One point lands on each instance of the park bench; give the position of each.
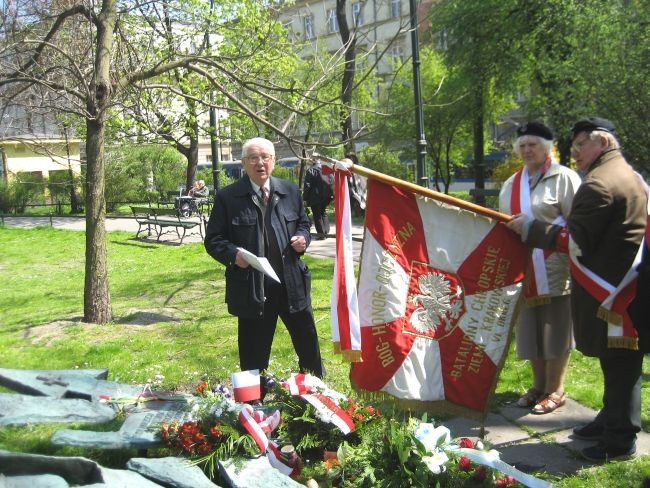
(164, 221)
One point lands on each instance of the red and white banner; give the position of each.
(438, 289)
(346, 334)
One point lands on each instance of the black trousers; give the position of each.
(321, 220)
(621, 412)
(255, 336)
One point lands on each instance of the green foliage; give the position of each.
(142, 173)
(379, 158)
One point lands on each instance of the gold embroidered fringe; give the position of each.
(348, 355)
(446, 409)
(623, 343)
(538, 300)
(609, 316)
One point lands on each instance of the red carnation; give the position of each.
(480, 473)
(467, 443)
(464, 464)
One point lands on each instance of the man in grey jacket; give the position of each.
(265, 216)
(606, 227)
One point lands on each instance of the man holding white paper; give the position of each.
(264, 216)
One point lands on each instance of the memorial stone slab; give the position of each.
(76, 471)
(46, 382)
(139, 430)
(172, 472)
(33, 481)
(115, 478)
(18, 409)
(254, 473)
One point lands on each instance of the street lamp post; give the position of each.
(214, 147)
(420, 168)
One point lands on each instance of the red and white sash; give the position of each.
(536, 291)
(614, 300)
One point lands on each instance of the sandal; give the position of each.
(530, 398)
(550, 403)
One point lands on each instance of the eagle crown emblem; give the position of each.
(437, 303)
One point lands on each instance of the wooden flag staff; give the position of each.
(420, 190)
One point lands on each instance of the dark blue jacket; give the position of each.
(236, 221)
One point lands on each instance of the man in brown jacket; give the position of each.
(606, 227)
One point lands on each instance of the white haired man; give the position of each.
(265, 215)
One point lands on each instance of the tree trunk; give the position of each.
(97, 298)
(479, 144)
(192, 153)
(348, 39)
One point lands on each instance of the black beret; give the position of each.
(591, 124)
(535, 129)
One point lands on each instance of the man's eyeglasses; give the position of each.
(254, 158)
(577, 146)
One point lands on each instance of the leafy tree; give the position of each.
(87, 58)
(380, 158)
(445, 106)
(484, 45)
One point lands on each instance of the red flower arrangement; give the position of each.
(193, 437)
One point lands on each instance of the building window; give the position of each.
(308, 22)
(357, 13)
(396, 8)
(397, 54)
(332, 23)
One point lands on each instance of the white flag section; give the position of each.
(438, 289)
(346, 334)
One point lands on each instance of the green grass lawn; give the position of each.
(172, 328)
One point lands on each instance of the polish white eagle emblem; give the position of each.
(438, 305)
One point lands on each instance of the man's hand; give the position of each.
(299, 243)
(517, 223)
(240, 261)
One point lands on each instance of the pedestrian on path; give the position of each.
(318, 193)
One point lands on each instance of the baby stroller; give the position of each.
(186, 206)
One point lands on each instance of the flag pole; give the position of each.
(420, 190)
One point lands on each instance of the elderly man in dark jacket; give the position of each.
(265, 216)
(606, 227)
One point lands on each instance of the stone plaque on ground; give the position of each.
(33, 481)
(139, 430)
(76, 471)
(45, 382)
(65, 383)
(172, 472)
(254, 473)
(18, 409)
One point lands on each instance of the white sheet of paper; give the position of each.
(260, 264)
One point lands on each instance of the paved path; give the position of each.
(529, 442)
(323, 249)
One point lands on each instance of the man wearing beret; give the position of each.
(606, 226)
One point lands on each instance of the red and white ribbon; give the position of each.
(323, 399)
(344, 316)
(258, 428)
(275, 459)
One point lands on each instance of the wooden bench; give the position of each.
(164, 221)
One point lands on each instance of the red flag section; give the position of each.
(438, 288)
